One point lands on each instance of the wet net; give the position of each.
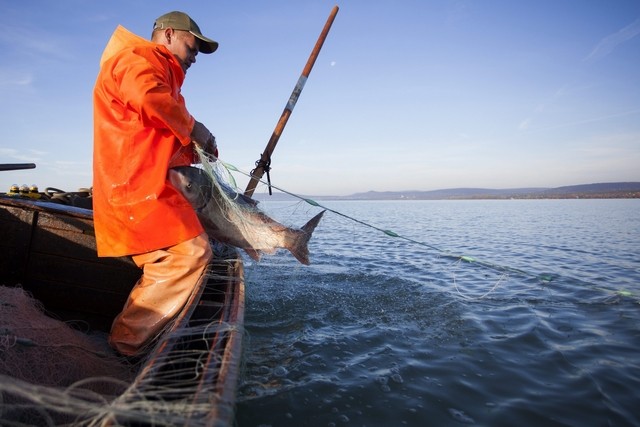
(39, 352)
(54, 375)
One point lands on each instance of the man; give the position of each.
(141, 129)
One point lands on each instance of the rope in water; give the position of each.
(442, 253)
(544, 278)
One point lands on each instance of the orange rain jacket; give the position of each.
(141, 129)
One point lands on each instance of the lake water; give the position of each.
(542, 328)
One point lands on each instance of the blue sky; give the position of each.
(405, 95)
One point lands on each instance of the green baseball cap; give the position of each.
(182, 21)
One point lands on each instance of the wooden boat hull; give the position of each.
(49, 250)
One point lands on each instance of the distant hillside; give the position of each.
(600, 190)
(619, 188)
(612, 190)
(451, 193)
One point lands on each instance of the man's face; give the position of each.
(184, 46)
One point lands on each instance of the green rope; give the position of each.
(542, 278)
(389, 233)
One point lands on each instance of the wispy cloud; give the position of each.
(15, 79)
(610, 42)
(526, 123)
(591, 120)
(35, 42)
(13, 154)
(456, 11)
(38, 153)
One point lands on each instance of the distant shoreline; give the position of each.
(618, 190)
(284, 197)
(635, 195)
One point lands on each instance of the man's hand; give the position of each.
(201, 136)
(211, 147)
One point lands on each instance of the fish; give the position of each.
(235, 219)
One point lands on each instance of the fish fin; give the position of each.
(299, 248)
(254, 254)
(238, 197)
(248, 200)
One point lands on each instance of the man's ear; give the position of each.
(168, 34)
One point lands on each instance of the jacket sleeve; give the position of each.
(146, 89)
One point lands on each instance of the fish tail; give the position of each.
(299, 249)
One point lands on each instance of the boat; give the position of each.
(189, 377)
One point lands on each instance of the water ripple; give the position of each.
(380, 332)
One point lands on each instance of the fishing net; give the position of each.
(229, 197)
(54, 375)
(38, 349)
(190, 376)
(468, 277)
(228, 215)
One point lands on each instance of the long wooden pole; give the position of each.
(263, 164)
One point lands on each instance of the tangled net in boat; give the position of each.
(38, 349)
(187, 378)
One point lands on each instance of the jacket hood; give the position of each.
(122, 39)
